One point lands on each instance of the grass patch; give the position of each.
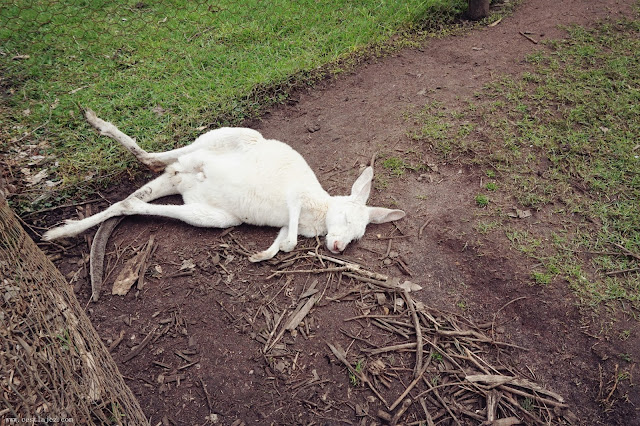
(395, 165)
(562, 139)
(165, 71)
(482, 200)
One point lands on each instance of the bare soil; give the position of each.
(209, 325)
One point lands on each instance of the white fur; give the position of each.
(230, 176)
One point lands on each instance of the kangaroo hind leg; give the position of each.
(159, 187)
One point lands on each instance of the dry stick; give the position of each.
(408, 389)
(294, 320)
(531, 39)
(627, 252)
(297, 318)
(318, 245)
(393, 237)
(434, 389)
(472, 358)
(145, 261)
(235, 240)
(533, 396)
(416, 323)
(308, 271)
(117, 341)
(386, 326)
(135, 351)
(405, 406)
(444, 354)
(493, 399)
(62, 206)
(424, 225)
(379, 283)
(338, 354)
(479, 338)
(206, 394)
(390, 348)
(615, 385)
(622, 271)
(503, 382)
(373, 316)
(423, 404)
(354, 267)
(501, 308)
(268, 345)
(386, 254)
(514, 403)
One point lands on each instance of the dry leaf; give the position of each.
(520, 214)
(409, 286)
(129, 275)
(188, 265)
(35, 179)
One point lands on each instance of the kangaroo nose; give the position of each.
(335, 247)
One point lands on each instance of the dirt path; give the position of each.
(214, 316)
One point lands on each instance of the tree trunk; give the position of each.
(478, 9)
(51, 358)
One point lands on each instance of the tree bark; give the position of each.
(478, 9)
(51, 357)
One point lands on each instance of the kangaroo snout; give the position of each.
(336, 246)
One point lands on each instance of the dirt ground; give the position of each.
(210, 322)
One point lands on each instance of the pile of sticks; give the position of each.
(455, 376)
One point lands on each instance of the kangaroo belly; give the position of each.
(252, 184)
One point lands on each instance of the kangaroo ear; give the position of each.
(382, 215)
(362, 186)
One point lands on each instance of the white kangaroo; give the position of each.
(230, 176)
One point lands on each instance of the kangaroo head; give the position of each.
(348, 216)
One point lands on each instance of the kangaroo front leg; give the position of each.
(294, 205)
(287, 238)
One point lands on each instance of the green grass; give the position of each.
(482, 200)
(561, 139)
(165, 71)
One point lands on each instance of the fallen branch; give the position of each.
(416, 322)
(353, 267)
(498, 380)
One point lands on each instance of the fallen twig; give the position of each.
(117, 341)
(411, 386)
(424, 225)
(627, 252)
(416, 322)
(135, 351)
(207, 396)
(353, 267)
(528, 37)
